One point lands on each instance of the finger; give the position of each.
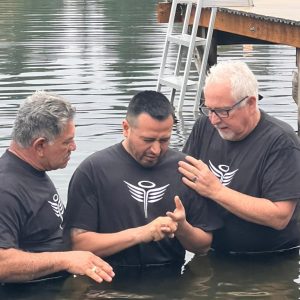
(100, 273)
(158, 236)
(186, 166)
(192, 164)
(171, 215)
(178, 206)
(190, 175)
(178, 203)
(104, 275)
(92, 274)
(107, 270)
(171, 226)
(101, 264)
(189, 183)
(198, 163)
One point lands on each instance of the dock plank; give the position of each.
(267, 21)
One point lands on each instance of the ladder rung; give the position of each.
(175, 82)
(187, 1)
(185, 39)
(226, 3)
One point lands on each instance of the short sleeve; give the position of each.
(10, 221)
(82, 205)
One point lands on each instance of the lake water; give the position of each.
(98, 54)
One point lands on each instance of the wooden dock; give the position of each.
(267, 22)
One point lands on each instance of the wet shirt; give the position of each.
(266, 164)
(111, 192)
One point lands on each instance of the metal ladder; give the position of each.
(182, 82)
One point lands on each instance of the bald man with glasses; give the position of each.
(247, 162)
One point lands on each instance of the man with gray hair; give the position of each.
(249, 164)
(31, 215)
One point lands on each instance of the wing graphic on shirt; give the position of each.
(58, 208)
(222, 172)
(146, 192)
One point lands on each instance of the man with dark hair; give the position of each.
(121, 199)
(31, 215)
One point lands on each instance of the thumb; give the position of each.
(178, 203)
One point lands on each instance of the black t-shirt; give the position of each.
(266, 164)
(110, 192)
(31, 212)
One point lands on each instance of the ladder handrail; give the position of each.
(189, 56)
(190, 41)
(205, 57)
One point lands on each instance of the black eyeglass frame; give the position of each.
(219, 111)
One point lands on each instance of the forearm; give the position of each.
(193, 239)
(17, 265)
(257, 210)
(106, 244)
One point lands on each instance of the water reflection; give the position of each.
(98, 53)
(256, 277)
(205, 277)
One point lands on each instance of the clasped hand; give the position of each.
(161, 227)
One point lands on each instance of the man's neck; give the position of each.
(26, 154)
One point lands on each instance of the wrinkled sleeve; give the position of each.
(193, 141)
(280, 178)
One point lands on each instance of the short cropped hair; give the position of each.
(242, 80)
(152, 103)
(42, 114)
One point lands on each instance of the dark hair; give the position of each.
(152, 103)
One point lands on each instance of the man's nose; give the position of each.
(73, 146)
(214, 118)
(155, 148)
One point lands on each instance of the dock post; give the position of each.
(298, 86)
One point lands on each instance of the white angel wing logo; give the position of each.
(146, 192)
(222, 173)
(58, 208)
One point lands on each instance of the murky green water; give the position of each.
(98, 53)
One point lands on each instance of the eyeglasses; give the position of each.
(220, 112)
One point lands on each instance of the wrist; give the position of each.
(182, 227)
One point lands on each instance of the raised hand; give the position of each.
(178, 215)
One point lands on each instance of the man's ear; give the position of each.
(39, 145)
(252, 101)
(126, 127)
